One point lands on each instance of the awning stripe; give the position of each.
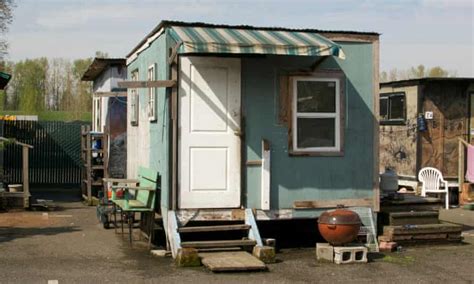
(253, 41)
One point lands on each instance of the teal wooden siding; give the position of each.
(292, 178)
(308, 178)
(158, 153)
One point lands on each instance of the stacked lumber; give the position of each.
(424, 233)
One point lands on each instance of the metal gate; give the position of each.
(55, 158)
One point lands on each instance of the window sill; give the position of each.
(316, 154)
(393, 122)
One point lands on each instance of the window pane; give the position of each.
(396, 107)
(316, 132)
(384, 108)
(314, 96)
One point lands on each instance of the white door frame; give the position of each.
(231, 197)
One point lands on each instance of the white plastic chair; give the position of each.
(431, 179)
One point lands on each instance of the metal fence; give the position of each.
(55, 158)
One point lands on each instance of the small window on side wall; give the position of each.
(134, 102)
(316, 115)
(392, 108)
(151, 95)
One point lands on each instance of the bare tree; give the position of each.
(6, 18)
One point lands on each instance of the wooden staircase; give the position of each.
(236, 235)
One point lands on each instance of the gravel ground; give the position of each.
(70, 246)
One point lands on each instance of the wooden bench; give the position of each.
(138, 196)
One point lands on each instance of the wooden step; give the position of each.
(217, 244)
(220, 228)
(413, 218)
(421, 229)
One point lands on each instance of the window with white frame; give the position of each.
(151, 95)
(316, 114)
(134, 101)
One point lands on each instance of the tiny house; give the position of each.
(279, 121)
(109, 108)
(421, 121)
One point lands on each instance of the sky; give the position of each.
(413, 32)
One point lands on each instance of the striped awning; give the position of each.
(253, 41)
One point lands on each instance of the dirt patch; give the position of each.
(27, 219)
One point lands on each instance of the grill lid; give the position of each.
(339, 217)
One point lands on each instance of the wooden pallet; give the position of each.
(231, 261)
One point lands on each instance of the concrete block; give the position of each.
(187, 257)
(264, 253)
(388, 246)
(324, 252)
(346, 255)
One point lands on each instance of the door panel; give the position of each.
(209, 117)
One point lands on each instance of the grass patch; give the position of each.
(403, 260)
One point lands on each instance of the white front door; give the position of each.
(209, 127)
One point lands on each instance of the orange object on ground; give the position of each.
(339, 226)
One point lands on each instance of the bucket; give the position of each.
(15, 188)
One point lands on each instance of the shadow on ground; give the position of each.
(10, 233)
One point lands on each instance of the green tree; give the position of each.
(83, 89)
(101, 54)
(29, 85)
(419, 71)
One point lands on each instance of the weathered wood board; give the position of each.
(439, 143)
(422, 229)
(413, 218)
(231, 261)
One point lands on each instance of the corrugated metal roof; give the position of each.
(418, 81)
(166, 23)
(253, 41)
(98, 65)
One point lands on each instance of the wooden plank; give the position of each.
(217, 244)
(110, 94)
(265, 176)
(333, 203)
(413, 218)
(421, 229)
(231, 261)
(196, 229)
(147, 84)
(120, 180)
(253, 233)
(254, 163)
(376, 123)
(174, 138)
